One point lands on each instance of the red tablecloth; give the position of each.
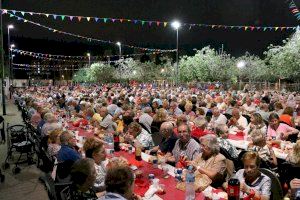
(236, 137)
(82, 132)
(142, 184)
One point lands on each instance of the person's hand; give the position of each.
(244, 188)
(295, 183)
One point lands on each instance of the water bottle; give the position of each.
(233, 189)
(190, 182)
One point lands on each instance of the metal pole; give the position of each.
(9, 51)
(2, 62)
(89, 61)
(177, 67)
(120, 51)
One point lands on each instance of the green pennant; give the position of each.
(105, 20)
(11, 15)
(23, 13)
(143, 22)
(62, 17)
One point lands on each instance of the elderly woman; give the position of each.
(259, 144)
(210, 161)
(251, 179)
(95, 150)
(160, 117)
(287, 116)
(277, 130)
(256, 122)
(294, 156)
(50, 124)
(189, 112)
(139, 136)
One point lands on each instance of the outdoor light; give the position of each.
(10, 26)
(162, 70)
(12, 46)
(118, 43)
(241, 64)
(134, 72)
(88, 54)
(176, 25)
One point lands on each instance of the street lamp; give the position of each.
(89, 56)
(241, 64)
(120, 49)
(176, 25)
(10, 26)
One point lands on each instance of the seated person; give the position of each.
(53, 142)
(265, 151)
(83, 176)
(186, 148)
(136, 135)
(94, 149)
(168, 141)
(222, 133)
(67, 151)
(277, 130)
(210, 161)
(256, 122)
(119, 183)
(237, 121)
(294, 156)
(251, 179)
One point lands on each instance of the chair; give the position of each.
(157, 138)
(276, 190)
(228, 116)
(49, 186)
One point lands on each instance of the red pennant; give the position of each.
(121, 20)
(252, 28)
(79, 18)
(157, 23)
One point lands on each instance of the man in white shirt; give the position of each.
(237, 122)
(217, 117)
(249, 107)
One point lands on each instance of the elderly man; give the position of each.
(186, 148)
(50, 124)
(237, 122)
(174, 109)
(168, 141)
(217, 117)
(67, 151)
(210, 161)
(139, 136)
(107, 121)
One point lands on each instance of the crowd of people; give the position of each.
(186, 126)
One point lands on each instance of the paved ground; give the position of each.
(24, 185)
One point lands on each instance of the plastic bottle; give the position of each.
(190, 182)
(233, 189)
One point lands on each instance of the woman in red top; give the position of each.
(287, 116)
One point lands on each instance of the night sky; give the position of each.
(227, 12)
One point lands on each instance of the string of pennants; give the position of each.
(294, 9)
(67, 58)
(90, 39)
(44, 66)
(152, 23)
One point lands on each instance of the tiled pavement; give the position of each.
(24, 185)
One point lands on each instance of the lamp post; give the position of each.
(176, 25)
(11, 72)
(2, 63)
(241, 64)
(120, 49)
(10, 26)
(89, 57)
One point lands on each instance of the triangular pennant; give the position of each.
(96, 19)
(105, 20)
(47, 15)
(276, 28)
(62, 17)
(88, 19)
(11, 15)
(150, 23)
(213, 26)
(258, 27)
(246, 27)
(252, 28)
(79, 18)
(143, 22)
(19, 18)
(71, 18)
(113, 20)
(13, 11)
(30, 13)
(282, 28)
(54, 16)
(135, 21)
(22, 13)
(128, 20)
(157, 23)
(231, 27)
(165, 24)
(121, 20)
